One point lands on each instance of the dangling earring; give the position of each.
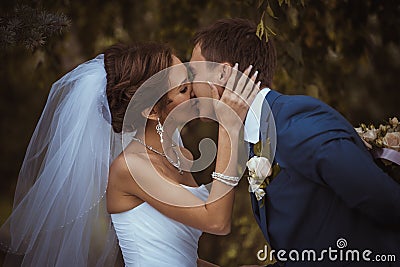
(160, 130)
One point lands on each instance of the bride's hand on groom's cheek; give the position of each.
(236, 98)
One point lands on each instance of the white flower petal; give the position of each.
(259, 194)
(252, 164)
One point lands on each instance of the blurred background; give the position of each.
(346, 53)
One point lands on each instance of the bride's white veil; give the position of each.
(59, 215)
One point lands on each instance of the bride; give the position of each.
(61, 215)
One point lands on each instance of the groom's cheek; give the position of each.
(201, 89)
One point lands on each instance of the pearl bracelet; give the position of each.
(228, 180)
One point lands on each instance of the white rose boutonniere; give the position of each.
(259, 169)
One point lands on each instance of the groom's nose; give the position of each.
(192, 95)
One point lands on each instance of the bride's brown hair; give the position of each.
(127, 68)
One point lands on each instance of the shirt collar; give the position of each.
(252, 122)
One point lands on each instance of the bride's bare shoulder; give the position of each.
(123, 162)
(121, 174)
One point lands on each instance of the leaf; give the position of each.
(266, 149)
(257, 149)
(275, 171)
(263, 149)
(270, 30)
(262, 202)
(271, 12)
(280, 2)
(260, 29)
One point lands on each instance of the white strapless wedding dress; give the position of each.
(148, 238)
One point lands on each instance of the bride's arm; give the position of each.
(212, 216)
(136, 176)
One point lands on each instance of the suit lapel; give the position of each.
(267, 125)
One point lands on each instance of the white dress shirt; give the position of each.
(252, 122)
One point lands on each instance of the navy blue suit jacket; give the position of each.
(328, 188)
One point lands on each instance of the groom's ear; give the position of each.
(224, 72)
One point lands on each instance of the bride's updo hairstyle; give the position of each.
(127, 68)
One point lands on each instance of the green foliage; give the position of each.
(263, 30)
(30, 27)
(262, 27)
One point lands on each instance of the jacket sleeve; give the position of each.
(358, 181)
(322, 146)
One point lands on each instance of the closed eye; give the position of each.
(183, 90)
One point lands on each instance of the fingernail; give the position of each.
(250, 67)
(236, 65)
(258, 84)
(255, 73)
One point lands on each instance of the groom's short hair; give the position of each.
(235, 40)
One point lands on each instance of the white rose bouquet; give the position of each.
(384, 144)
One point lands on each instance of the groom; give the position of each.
(328, 188)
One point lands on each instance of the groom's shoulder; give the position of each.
(309, 114)
(301, 100)
(298, 104)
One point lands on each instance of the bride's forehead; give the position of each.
(178, 74)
